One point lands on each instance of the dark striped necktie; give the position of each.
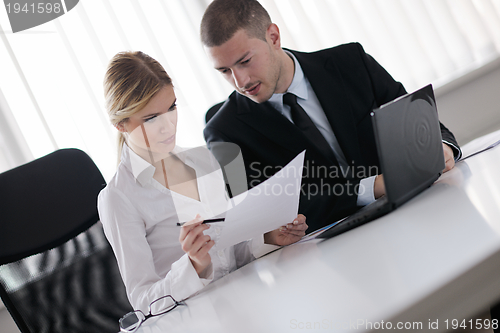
(306, 125)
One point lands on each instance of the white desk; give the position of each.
(436, 257)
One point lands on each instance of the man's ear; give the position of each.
(273, 33)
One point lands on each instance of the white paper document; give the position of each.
(265, 207)
(481, 144)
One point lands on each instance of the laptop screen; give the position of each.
(409, 144)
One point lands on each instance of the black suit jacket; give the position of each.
(349, 84)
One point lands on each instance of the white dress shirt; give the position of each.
(139, 216)
(306, 98)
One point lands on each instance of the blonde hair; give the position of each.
(131, 81)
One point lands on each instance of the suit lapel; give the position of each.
(328, 85)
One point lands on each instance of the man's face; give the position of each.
(252, 66)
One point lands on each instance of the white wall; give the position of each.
(14, 150)
(7, 324)
(470, 105)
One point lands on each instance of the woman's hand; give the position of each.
(196, 244)
(288, 234)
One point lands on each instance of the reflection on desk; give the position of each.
(436, 258)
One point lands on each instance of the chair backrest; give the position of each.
(58, 272)
(212, 111)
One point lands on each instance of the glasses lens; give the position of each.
(131, 321)
(162, 305)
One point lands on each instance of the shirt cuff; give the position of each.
(185, 281)
(457, 152)
(259, 248)
(366, 193)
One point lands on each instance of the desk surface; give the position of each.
(435, 258)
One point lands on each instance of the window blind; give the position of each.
(51, 75)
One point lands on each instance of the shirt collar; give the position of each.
(142, 170)
(298, 87)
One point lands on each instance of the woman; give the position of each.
(158, 184)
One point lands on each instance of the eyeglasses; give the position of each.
(133, 320)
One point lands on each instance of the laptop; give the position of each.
(410, 151)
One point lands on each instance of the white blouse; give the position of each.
(139, 216)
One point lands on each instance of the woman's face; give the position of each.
(151, 131)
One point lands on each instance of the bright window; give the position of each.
(51, 75)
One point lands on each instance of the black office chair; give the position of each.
(495, 315)
(212, 111)
(57, 270)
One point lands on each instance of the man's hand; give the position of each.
(379, 186)
(449, 159)
(288, 234)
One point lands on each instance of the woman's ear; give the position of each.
(120, 127)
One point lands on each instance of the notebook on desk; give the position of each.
(410, 151)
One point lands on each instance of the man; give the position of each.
(337, 88)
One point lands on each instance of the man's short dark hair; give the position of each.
(223, 18)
